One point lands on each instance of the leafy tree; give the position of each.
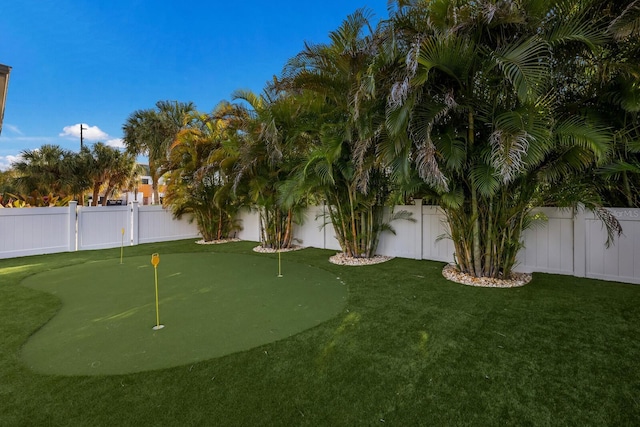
(612, 90)
(102, 162)
(267, 155)
(342, 166)
(119, 167)
(49, 169)
(475, 106)
(200, 162)
(7, 179)
(151, 132)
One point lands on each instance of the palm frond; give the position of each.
(574, 23)
(628, 23)
(485, 179)
(575, 131)
(525, 65)
(451, 55)
(508, 150)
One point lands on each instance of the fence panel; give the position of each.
(311, 233)
(100, 227)
(34, 231)
(407, 240)
(435, 245)
(621, 261)
(548, 244)
(314, 232)
(156, 224)
(250, 222)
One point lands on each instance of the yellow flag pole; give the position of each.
(279, 261)
(155, 260)
(122, 246)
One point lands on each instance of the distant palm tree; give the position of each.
(151, 132)
(123, 167)
(45, 170)
(102, 164)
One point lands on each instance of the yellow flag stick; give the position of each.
(122, 246)
(155, 260)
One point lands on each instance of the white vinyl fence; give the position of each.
(33, 231)
(562, 242)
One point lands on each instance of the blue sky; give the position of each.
(95, 62)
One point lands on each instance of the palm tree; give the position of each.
(200, 162)
(267, 155)
(151, 132)
(475, 107)
(613, 90)
(123, 169)
(102, 163)
(46, 170)
(7, 181)
(342, 165)
(76, 171)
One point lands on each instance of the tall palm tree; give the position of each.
(201, 161)
(475, 106)
(342, 166)
(613, 90)
(268, 152)
(151, 132)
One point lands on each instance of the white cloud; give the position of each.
(115, 142)
(6, 161)
(13, 129)
(90, 133)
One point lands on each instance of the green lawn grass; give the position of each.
(409, 348)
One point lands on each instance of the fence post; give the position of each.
(579, 242)
(417, 211)
(134, 211)
(73, 228)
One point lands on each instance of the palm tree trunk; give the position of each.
(489, 240)
(286, 241)
(477, 257)
(354, 241)
(96, 192)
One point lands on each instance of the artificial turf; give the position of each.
(212, 304)
(408, 348)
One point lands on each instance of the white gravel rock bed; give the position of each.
(450, 272)
(216, 242)
(262, 250)
(341, 259)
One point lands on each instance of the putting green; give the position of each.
(211, 304)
